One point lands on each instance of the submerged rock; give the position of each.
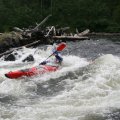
(10, 57)
(28, 58)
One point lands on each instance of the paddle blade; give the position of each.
(61, 46)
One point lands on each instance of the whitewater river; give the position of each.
(87, 87)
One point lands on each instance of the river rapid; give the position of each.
(87, 87)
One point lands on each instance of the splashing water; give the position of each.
(80, 90)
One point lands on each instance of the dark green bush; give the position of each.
(97, 15)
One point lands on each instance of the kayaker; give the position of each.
(58, 58)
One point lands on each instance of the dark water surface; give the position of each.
(95, 47)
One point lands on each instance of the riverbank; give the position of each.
(16, 40)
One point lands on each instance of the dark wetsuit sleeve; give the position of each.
(59, 58)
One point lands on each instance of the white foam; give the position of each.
(96, 90)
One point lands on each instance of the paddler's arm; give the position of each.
(58, 57)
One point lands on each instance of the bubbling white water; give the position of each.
(94, 91)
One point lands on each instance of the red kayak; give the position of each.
(31, 71)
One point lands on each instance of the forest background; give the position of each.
(96, 15)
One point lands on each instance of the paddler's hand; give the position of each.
(43, 63)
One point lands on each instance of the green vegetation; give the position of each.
(97, 15)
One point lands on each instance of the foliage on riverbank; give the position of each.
(97, 15)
